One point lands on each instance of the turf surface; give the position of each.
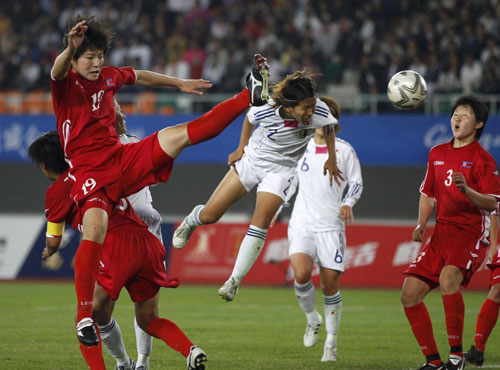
(261, 329)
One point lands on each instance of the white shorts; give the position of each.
(326, 248)
(270, 177)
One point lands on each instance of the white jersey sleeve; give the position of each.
(317, 203)
(142, 201)
(280, 140)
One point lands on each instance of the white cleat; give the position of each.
(196, 359)
(329, 354)
(182, 235)
(228, 290)
(129, 366)
(311, 334)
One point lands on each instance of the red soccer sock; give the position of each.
(86, 269)
(93, 355)
(454, 310)
(216, 120)
(486, 321)
(421, 325)
(171, 334)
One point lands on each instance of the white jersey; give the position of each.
(142, 200)
(280, 140)
(317, 204)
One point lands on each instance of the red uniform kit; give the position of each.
(131, 256)
(86, 124)
(462, 229)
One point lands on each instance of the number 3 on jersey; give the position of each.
(449, 179)
(96, 100)
(88, 185)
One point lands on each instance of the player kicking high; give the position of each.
(317, 232)
(131, 256)
(266, 158)
(462, 180)
(488, 314)
(102, 170)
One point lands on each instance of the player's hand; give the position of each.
(48, 251)
(492, 253)
(194, 86)
(459, 180)
(235, 157)
(419, 233)
(76, 34)
(346, 214)
(333, 171)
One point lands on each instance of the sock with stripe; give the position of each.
(421, 325)
(486, 321)
(193, 218)
(216, 120)
(171, 334)
(86, 266)
(144, 345)
(93, 355)
(306, 296)
(454, 311)
(111, 336)
(333, 310)
(250, 248)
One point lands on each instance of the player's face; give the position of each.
(463, 123)
(89, 64)
(304, 111)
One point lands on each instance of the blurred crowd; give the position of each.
(454, 44)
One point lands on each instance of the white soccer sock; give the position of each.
(306, 295)
(333, 310)
(111, 336)
(193, 219)
(144, 345)
(250, 248)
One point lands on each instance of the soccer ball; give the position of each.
(407, 89)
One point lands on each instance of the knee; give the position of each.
(330, 288)
(302, 277)
(494, 293)
(408, 299)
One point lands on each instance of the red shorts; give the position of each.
(121, 170)
(495, 271)
(449, 245)
(133, 258)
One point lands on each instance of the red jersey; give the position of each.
(481, 174)
(60, 208)
(85, 114)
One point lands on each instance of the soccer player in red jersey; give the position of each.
(462, 180)
(132, 257)
(102, 170)
(488, 314)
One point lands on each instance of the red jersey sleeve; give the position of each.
(489, 182)
(122, 76)
(58, 205)
(427, 186)
(59, 91)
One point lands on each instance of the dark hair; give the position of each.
(294, 88)
(47, 150)
(478, 107)
(97, 37)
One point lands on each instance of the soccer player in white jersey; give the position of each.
(267, 158)
(317, 232)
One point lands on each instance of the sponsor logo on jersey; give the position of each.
(438, 163)
(109, 82)
(466, 164)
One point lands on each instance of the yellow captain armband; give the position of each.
(54, 230)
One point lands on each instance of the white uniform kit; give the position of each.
(315, 227)
(275, 147)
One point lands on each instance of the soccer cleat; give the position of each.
(182, 235)
(311, 334)
(474, 356)
(228, 290)
(258, 81)
(130, 366)
(86, 333)
(196, 359)
(455, 363)
(428, 366)
(329, 354)
(142, 367)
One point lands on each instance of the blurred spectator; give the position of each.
(449, 78)
(471, 74)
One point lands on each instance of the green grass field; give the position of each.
(261, 329)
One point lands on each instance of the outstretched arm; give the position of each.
(63, 60)
(246, 132)
(149, 78)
